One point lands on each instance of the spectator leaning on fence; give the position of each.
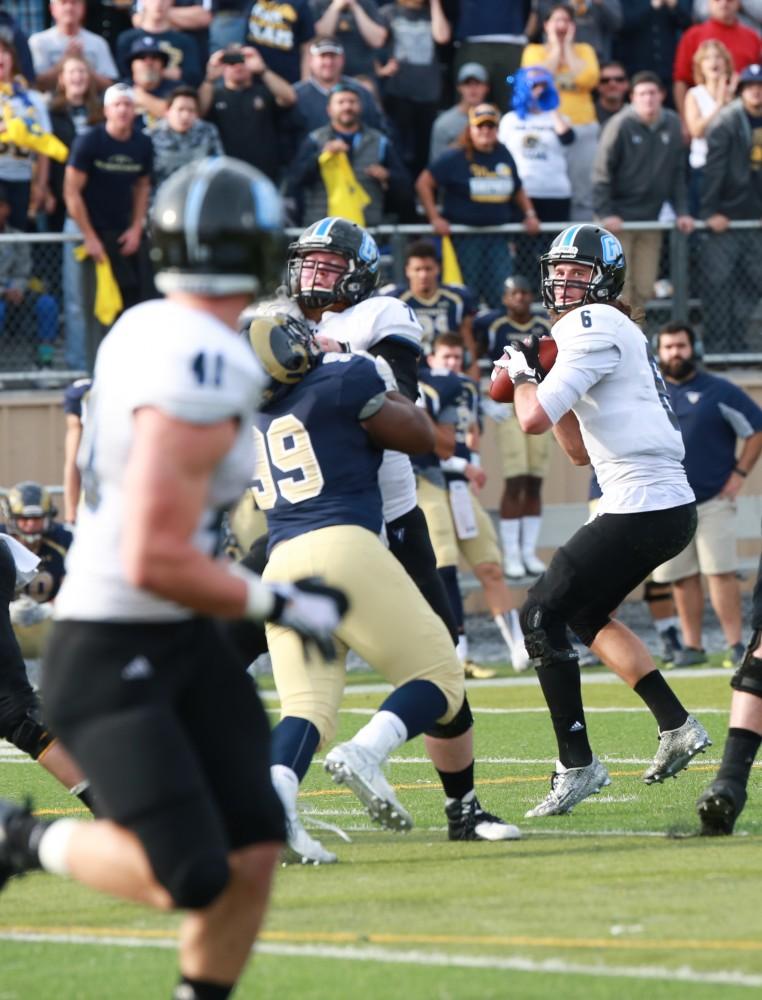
(478, 185)
(180, 137)
(732, 189)
(65, 38)
(320, 171)
(574, 66)
(723, 24)
(713, 415)
(640, 167)
(241, 96)
(107, 186)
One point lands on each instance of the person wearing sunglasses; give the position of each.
(613, 91)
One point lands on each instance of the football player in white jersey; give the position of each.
(139, 683)
(607, 405)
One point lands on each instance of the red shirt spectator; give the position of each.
(723, 24)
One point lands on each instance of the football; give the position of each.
(501, 389)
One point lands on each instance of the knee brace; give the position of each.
(28, 733)
(458, 725)
(748, 677)
(545, 635)
(653, 592)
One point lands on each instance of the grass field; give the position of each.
(616, 900)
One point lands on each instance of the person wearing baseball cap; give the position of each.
(732, 189)
(326, 69)
(473, 88)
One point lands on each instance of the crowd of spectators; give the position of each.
(381, 98)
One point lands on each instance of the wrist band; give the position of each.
(741, 472)
(260, 599)
(523, 377)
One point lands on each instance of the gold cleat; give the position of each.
(476, 673)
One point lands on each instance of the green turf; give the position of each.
(621, 885)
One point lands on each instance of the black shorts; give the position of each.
(168, 728)
(17, 696)
(591, 574)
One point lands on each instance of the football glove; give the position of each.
(312, 609)
(26, 611)
(521, 359)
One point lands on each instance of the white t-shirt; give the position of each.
(48, 48)
(699, 146)
(607, 375)
(361, 327)
(538, 153)
(188, 365)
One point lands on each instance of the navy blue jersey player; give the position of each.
(320, 443)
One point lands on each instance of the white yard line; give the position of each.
(548, 966)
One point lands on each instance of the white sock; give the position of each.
(286, 784)
(510, 533)
(53, 848)
(462, 648)
(530, 532)
(662, 624)
(505, 632)
(384, 733)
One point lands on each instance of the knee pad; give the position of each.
(545, 635)
(748, 677)
(195, 882)
(28, 733)
(459, 724)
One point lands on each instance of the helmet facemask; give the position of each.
(316, 293)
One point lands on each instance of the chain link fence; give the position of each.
(712, 280)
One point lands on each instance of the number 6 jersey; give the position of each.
(606, 374)
(192, 367)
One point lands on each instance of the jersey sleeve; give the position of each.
(586, 352)
(72, 401)
(391, 319)
(200, 384)
(360, 383)
(741, 412)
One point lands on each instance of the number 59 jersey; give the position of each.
(192, 367)
(606, 374)
(316, 465)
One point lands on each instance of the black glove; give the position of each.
(312, 609)
(529, 346)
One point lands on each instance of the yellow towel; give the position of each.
(451, 274)
(108, 297)
(27, 134)
(346, 196)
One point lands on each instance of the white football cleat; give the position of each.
(301, 849)
(352, 765)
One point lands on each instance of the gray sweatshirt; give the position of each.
(638, 167)
(730, 186)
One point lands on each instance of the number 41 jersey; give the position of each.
(192, 367)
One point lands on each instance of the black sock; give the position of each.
(456, 784)
(662, 701)
(740, 750)
(24, 832)
(201, 989)
(86, 797)
(562, 689)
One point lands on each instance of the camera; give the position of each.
(232, 58)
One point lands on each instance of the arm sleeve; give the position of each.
(403, 361)
(574, 372)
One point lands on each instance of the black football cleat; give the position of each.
(719, 807)
(14, 855)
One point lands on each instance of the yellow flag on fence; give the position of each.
(346, 196)
(108, 297)
(451, 274)
(26, 133)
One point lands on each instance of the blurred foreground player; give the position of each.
(607, 405)
(139, 682)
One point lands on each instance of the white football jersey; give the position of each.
(606, 374)
(362, 327)
(194, 368)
